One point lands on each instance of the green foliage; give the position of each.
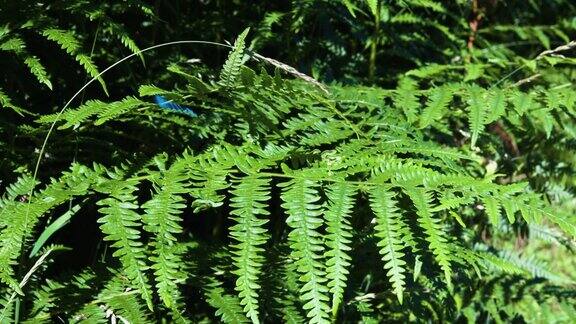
(231, 69)
(120, 225)
(250, 194)
(389, 230)
(441, 192)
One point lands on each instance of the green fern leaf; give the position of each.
(115, 109)
(75, 117)
(250, 195)
(19, 218)
(68, 42)
(120, 33)
(38, 70)
(492, 208)
(14, 44)
(373, 5)
(389, 231)
(438, 243)
(208, 180)
(231, 69)
(340, 204)
(300, 199)
(118, 306)
(477, 112)
(22, 186)
(438, 101)
(161, 220)
(227, 306)
(6, 102)
(406, 98)
(65, 39)
(287, 300)
(151, 90)
(120, 225)
(496, 105)
(91, 68)
(103, 111)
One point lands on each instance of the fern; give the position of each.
(68, 42)
(231, 69)
(250, 195)
(389, 230)
(103, 112)
(477, 117)
(38, 70)
(496, 105)
(492, 207)
(439, 244)
(20, 218)
(120, 224)
(228, 307)
(192, 208)
(300, 201)
(338, 239)
(438, 100)
(406, 99)
(6, 102)
(161, 220)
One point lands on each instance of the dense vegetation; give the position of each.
(292, 161)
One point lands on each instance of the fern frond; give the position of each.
(227, 306)
(288, 302)
(116, 30)
(389, 231)
(65, 39)
(406, 98)
(91, 69)
(477, 112)
(365, 308)
(531, 265)
(438, 100)
(19, 219)
(494, 262)
(435, 6)
(300, 200)
(115, 109)
(549, 234)
(22, 186)
(45, 298)
(68, 42)
(492, 209)
(13, 44)
(250, 195)
(74, 117)
(6, 102)
(496, 103)
(119, 304)
(161, 220)
(120, 225)
(236, 58)
(208, 179)
(340, 204)
(102, 111)
(38, 70)
(438, 243)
